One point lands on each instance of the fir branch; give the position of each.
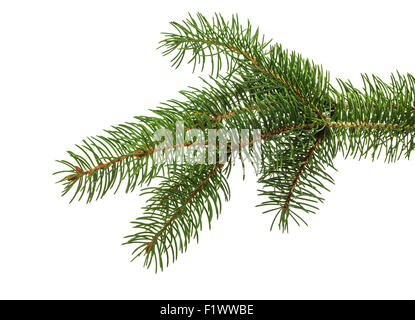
(169, 223)
(292, 180)
(305, 122)
(151, 244)
(229, 40)
(297, 176)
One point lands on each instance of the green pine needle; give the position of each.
(255, 84)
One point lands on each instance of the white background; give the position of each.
(69, 69)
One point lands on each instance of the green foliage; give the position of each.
(253, 84)
(293, 181)
(174, 213)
